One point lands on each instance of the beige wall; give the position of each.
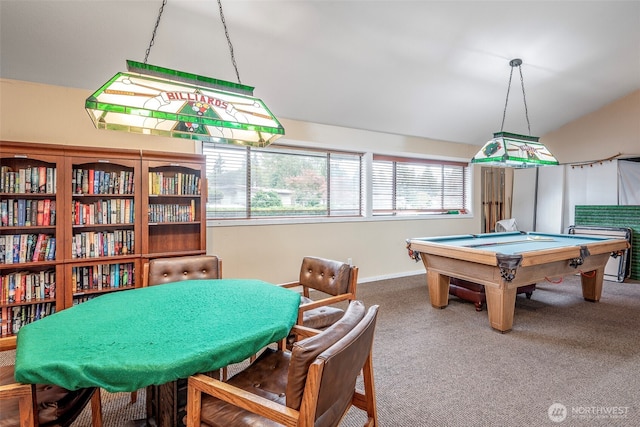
(49, 114)
(613, 129)
(378, 248)
(34, 112)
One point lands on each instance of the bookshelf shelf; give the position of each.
(97, 195)
(46, 228)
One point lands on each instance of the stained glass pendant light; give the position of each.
(513, 150)
(160, 101)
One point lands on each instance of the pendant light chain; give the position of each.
(516, 63)
(153, 36)
(524, 98)
(226, 33)
(506, 101)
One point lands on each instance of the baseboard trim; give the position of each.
(391, 276)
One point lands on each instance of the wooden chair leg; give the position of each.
(96, 409)
(367, 400)
(194, 406)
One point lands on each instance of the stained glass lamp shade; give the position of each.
(516, 151)
(159, 101)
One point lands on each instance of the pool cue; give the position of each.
(510, 242)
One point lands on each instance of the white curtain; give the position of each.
(629, 182)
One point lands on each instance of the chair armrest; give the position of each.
(13, 390)
(8, 343)
(325, 301)
(304, 331)
(253, 403)
(289, 285)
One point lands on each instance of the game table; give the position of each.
(124, 341)
(502, 262)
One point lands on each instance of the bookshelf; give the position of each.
(103, 192)
(90, 222)
(175, 196)
(31, 268)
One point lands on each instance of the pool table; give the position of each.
(502, 262)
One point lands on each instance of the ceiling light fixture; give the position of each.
(512, 150)
(160, 101)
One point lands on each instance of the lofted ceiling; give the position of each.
(433, 69)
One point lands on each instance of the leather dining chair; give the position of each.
(335, 281)
(314, 384)
(166, 270)
(28, 405)
(159, 271)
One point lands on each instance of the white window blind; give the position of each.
(413, 186)
(245, 182)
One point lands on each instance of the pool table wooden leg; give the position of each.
(592, 284)
(501, 304)
(438, 285)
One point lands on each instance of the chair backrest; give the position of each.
(333, 359)
(338, 368)
(305, 352)
(506, 225)
(167, 270)
(328, 276)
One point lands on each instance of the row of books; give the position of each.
(110, 211)
(13, 318)
(27, 213)
(177, 183)
(91, 244)
(21, 248)
(84, 298)
(172, 213)
(102, 276)
(92, 181)
(32, 179)
(25, 286)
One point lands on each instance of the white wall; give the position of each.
(591, 185)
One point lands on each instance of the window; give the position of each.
(281, 181)
(411, 186)
(245, 182)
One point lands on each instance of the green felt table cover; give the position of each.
(127, 340)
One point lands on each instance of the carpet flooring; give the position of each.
(567, 362)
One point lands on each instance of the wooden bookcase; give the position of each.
(102, 216)
(102, 243)
(174, 205)
(31, 266)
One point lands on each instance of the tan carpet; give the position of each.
(449, 368)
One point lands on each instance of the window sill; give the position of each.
(324, 220)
